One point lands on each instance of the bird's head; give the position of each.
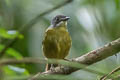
(59, 20)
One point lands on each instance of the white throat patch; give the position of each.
(61, 23)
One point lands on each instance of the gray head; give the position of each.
(59, 19)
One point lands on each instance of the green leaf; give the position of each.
(14, 53)
(11, 52)
(10, 34)
(13, 70)
(8, 71)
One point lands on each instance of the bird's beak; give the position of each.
(65, 19)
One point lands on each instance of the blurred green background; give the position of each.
(93, 23)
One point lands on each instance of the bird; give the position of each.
(57, 40)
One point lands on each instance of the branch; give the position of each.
(89, 58)
(94, 56)
(113, 71)
(31, 23)
(29, 60)
(21, 61)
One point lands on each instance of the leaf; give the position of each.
(10, 34)
(14, 53)
(13, 70)
(8, 71)
(11, 52)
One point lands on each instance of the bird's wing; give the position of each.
(65, 44)
(50, 45)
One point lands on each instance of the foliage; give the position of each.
(93, 23)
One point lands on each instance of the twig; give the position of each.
(39, 61)
(106, 76)
(43, 77)
(94, 56)
(29, 60)
(31, 23)
(20, 61)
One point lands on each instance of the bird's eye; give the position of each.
(57, 19)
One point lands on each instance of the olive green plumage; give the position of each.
(57, 41)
